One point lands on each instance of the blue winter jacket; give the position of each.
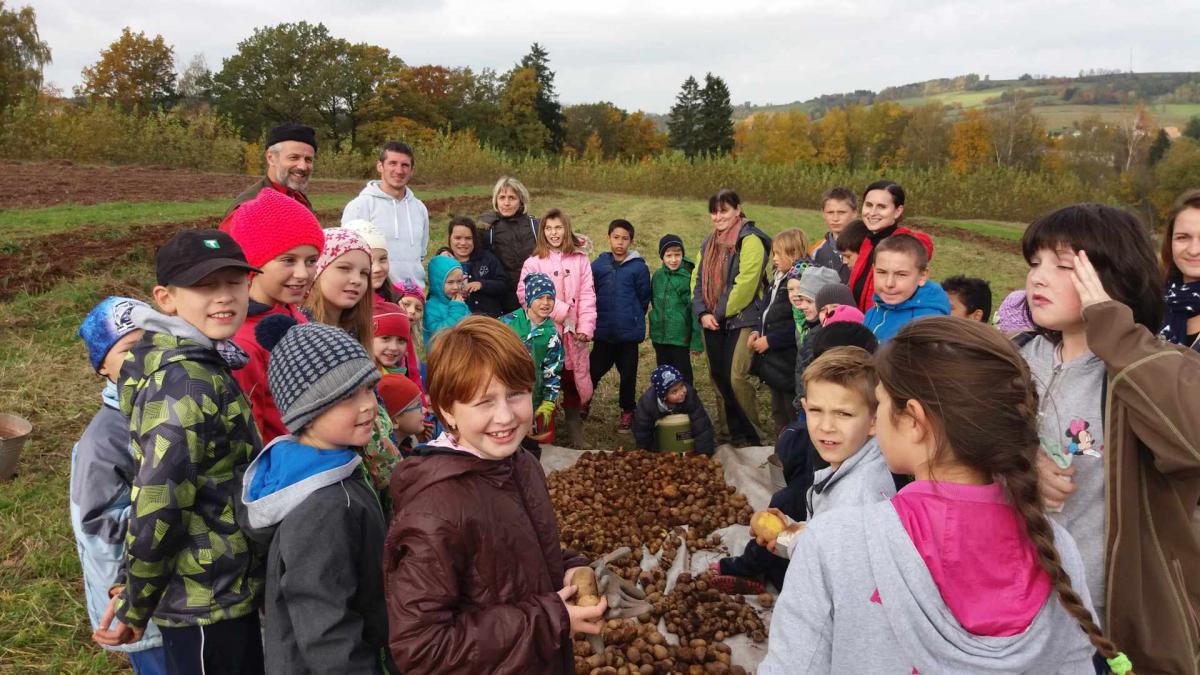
(886, 320)
(622, 297)
(440, 311)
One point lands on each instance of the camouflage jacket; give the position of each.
(192, 435)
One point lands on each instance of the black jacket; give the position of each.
(486, 268)
(648, 413)
(512, 241)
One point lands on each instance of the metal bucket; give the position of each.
(14, 434)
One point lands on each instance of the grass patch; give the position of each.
(47, 380)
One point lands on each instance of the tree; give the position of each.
(640, 137)
(23, 54)
(134, 72)
(194, 87)
(525, 132)
(775, 138)
(1162, 143)
(351, 73)
(925, 142)
(276, 75)
(683, 125)
(970, 142)
(715, 118)
(1177, 172)
(882, 131)
(1192, 130)
(548, 108)
(1017, 135)
(602, 119)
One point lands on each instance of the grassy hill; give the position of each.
(1172, 98)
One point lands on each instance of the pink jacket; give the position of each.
(574, 307)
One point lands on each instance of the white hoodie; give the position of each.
(404, 223)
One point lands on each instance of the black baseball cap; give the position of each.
(192, 255)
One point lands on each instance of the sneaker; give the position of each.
(626, 425)
(731, 585)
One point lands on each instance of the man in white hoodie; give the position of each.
(396, 211)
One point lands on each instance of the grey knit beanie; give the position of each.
(312, 367)
(816, 278)
(834, 294)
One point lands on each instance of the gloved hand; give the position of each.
(625, 599)
(543, 415)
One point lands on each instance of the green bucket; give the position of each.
(673, 433)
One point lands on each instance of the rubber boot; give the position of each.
(574, 429)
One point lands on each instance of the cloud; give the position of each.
(636, 54)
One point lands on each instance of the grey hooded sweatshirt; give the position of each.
(404, 223)
(324, 599)
(862, 479)
(858, 598)
(1071, 428)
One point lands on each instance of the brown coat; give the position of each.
(1152, 434)
(473, 565)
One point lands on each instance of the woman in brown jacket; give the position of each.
(476, 578)
(1128, 485)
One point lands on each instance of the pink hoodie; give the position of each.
(977, 552)
(574, 307)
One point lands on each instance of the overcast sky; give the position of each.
(636, 54)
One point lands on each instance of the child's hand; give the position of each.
(586, 620)
(769, 543)
(582, 338)
(472, 287)
(113, 635)
(1087, 282)
(1054, 484)
(760, 345)
(752, 339)
(763, 540)
(709, 322)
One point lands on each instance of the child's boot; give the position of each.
(574, 429)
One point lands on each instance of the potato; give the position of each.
(766, 524)
(587, 594)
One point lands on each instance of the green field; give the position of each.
(46, 378)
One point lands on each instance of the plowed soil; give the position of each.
(33, 184)
(44, 261)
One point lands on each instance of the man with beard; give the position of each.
(291, 149)
(393, 208)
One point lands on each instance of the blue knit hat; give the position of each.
(537, 285)
(663, 378)
(107, 323)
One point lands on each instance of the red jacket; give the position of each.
(472, 567)
(864, 264)
(253, 377)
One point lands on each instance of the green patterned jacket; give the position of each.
(192, 433)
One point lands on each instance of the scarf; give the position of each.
(715, 263)
(1183, 303)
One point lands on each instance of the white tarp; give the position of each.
(746, 469)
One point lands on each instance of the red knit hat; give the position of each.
(273, 223)
(398, 392)
(391, 320)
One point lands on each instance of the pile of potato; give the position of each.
(633, 649)
(631, 498)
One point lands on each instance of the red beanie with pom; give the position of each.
(273, 223)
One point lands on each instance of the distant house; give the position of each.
(1172, 132)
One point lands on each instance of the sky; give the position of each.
(636, 54)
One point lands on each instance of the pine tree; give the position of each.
(1162, 143)
(548, 108)
(716, 117)
(684, 122)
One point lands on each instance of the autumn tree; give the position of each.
(194, 88)
(1017, 134)
(925, 142)
(603, 119)
(350, 75)
(640, 137)
(549, 110)
(970, 142)
(715, 117)
(882, 132)
(1177, 172)
(1092, 149)
(525, 132)
(775, 138)
(684, 123)
(134, 73)
(23, 55)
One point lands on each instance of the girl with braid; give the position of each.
(961, 571)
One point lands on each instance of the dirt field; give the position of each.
(31, 184)
(44, 261)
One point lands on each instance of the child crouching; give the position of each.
(475, 574)
(670, 394)
(324, 604)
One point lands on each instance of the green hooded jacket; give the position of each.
(192, 435)
(672, 321)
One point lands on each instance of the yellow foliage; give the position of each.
(775, 138)
(970, 142)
